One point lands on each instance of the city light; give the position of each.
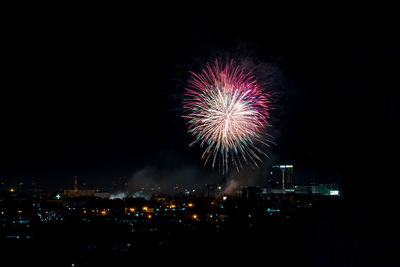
(149, 216)
(334, 192)
(12, 190)
(285, 166)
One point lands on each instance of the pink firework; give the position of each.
(226, 110)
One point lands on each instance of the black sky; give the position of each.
(99, 99)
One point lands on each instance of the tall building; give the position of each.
(281, 177)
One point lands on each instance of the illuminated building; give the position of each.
(328, 189)
(322, 189)
(281, 177)
(306, 189)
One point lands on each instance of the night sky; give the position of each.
(100, 100)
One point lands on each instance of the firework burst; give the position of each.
(226, 110)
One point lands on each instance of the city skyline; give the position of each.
(100, 115)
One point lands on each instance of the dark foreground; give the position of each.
(284, 230)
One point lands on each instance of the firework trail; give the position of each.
(226, 110)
